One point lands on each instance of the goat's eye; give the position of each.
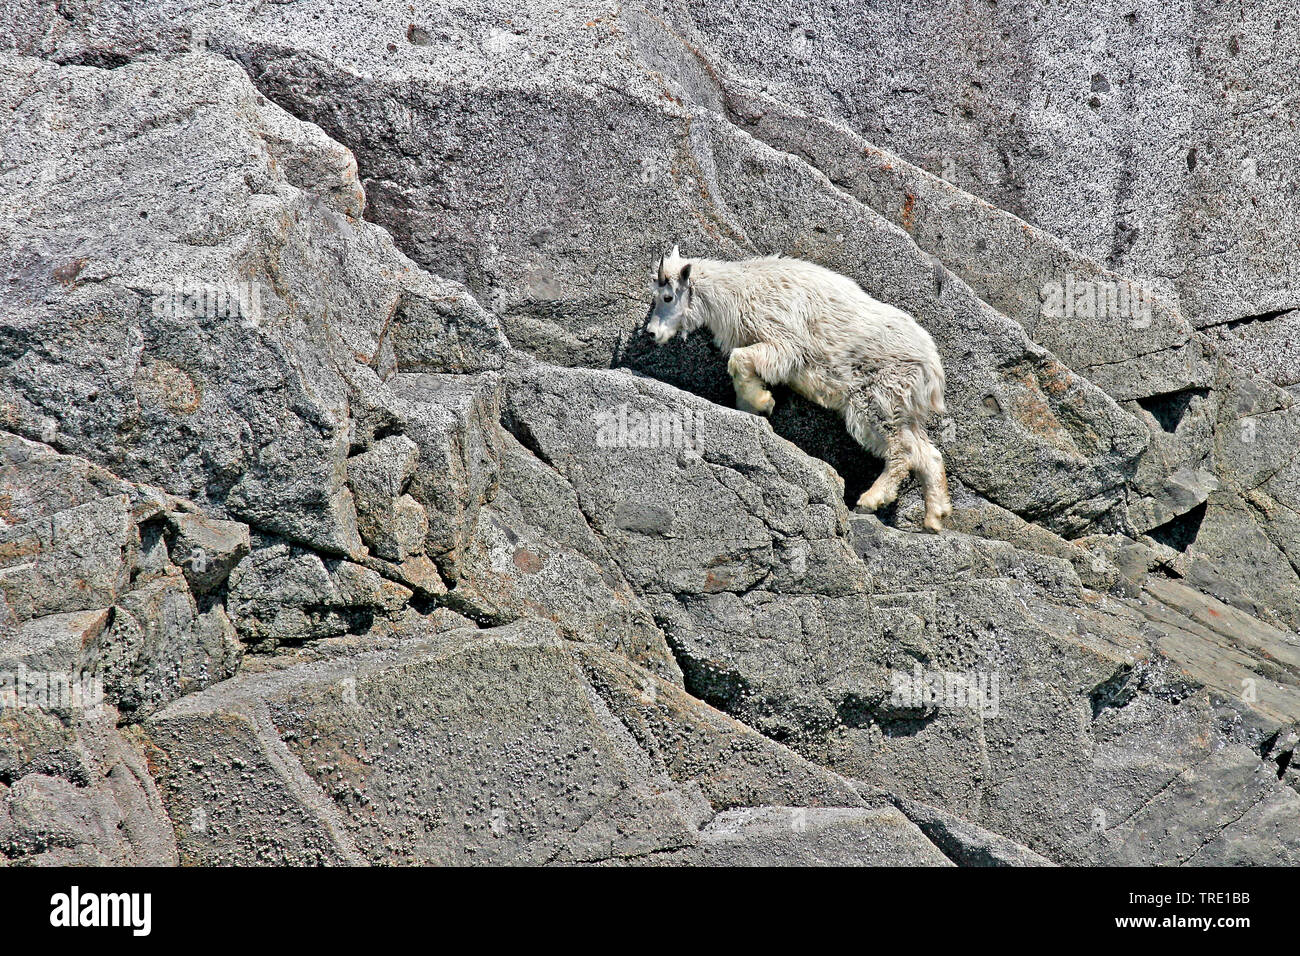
(668, 298)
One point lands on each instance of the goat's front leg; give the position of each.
(749, 367)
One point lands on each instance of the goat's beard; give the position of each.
(665, 335)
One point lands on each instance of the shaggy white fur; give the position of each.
(793, 322)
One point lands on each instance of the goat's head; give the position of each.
(670, 311)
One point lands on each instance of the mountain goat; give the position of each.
(789, 321)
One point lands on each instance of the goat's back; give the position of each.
(825, 311)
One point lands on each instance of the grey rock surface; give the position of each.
(470, 747)
(79, 794)
(964, 843)
(755, 836)
(1143, 136)
(332, 448)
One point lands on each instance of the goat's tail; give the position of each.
(926, 396)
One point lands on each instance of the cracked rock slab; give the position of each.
(798, 836)
(467, 747)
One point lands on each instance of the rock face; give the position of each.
(339, 480)
(1091, 122)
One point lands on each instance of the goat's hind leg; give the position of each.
(929, 467)
(749, 367)
(897, 467)
(880, 436)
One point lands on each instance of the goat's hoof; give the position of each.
(933, 524)
(868, 502)
(762, 404)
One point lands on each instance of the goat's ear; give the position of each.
(674, 254)
(686, 273)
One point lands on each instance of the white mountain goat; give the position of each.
(793, 322)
